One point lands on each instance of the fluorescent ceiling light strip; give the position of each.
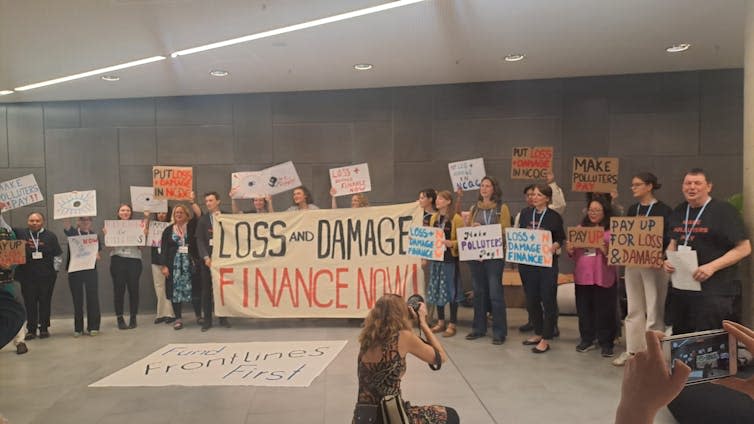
(91, 73)
(5, 92)
(297, 27)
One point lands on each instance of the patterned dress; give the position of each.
(181, 273)
(379, 379)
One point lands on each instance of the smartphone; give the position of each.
(710, 354)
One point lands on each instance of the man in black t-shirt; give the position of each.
(714, 230)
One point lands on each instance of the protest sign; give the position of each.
(426, 242)
(283, 177)
(172, 182)
(350, 179)
(74, 204)
(480, 242)
(249, 185)
(531, 163)
(270, 364)
(322, 263)
(83, 250)
(12, 252)
(528, 247)
(467, 174)
(156, 228)
(636, 241)
(20, 192)
(124, 232)
(143, 200)
(599, 175)
(586, 237)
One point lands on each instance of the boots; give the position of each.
(132, 322)
(122, 323)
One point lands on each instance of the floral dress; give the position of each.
(181, 273)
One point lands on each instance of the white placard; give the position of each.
(480, 242)
(283, 177)
(83, 250)
(467, 174)
(20, 192)
(350, 179)
(271, 364)
(250, 185)
(528, 247)
(142, 199)
(426, 242)
(685, 263)
(124, 232)
(74, 204)
(156, 228)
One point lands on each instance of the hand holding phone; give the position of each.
(711, 355)
(745, 336)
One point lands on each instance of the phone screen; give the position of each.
(708, 356)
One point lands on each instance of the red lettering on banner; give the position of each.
(301, 285)
(369, 293)
(314, 288)
(224, 282)
(246, 287)
(338, 286)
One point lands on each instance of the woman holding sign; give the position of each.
(125, 270)
(164, 307)
(84, 282)
(596, 288)
(487, 275)
(261, 204)
(646, 288)
(302, 199)
(178, 263)
(540, 282)
(358, 200)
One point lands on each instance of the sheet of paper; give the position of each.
(685, 263)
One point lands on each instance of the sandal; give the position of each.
(178, 325)
(438, 328)
(450, 331)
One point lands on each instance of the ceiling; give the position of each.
(433, 42)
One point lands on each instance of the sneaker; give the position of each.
(21, 348)
(585, 347)
(93, 332)
(77, 334)
(206, 328)
(132, 322)
(169, 320)
(30, 336)
(225, 323)
(122, 323)
(621, 359)
(526, 327)
(43, 333)
(607, 352)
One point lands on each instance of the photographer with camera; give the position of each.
(385, 340)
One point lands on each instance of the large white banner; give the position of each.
(142, 199)
(20, 192)
(271, 364)
(74, 204)
(124, 233)
(350, 179)
(83, 250)
(283, 177)
(318, 263)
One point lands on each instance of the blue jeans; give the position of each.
(487, 277)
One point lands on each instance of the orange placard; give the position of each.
(172, 182)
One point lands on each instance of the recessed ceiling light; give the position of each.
(110, 78)
(219, 73)
(6, 92)
(363, 66)
(515, 57)
(677, 48)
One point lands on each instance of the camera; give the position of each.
(710, 354)
(414, 302)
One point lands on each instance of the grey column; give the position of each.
(748, 159)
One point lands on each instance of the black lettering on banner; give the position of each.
(403, 224)
(323, 228)
(247, 239)
(338, 239)
(260, 253)
(354, 236)
(278, 236)
(389, 241)
(222, 253)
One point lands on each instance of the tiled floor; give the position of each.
(485, 383)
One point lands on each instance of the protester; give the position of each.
(84, 283)
(358, 200)
(12, 313)
(179, 264)
(259, 204)
(164, 307)
(125, 270)
(302, 200)
(204, 234)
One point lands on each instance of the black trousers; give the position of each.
(37, 293)
(125, 273)
(12, 316)
(84, 284)
(541, 290)
(205, 275)
(597, 308)
(694, 311)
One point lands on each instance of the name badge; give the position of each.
(36, 255)
(210, 242)
(590, 252)
(159, 250)
(182, 249)
(683, 248)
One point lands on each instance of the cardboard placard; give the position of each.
(528, 247)
(531, 163)
(250, 185)
(480, 242)
(426, 242)
(599, 175)
(636, 241)
(283, 177)
(467, 174)
(350, 179)
(74, 204)
(12, 252)
(156, 228)
(83, 251)
(143, 200)
(124, 232)
(20, 192)
(172, 182)
(586, 237)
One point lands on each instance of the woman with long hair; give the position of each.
(259, 204)
(358, 200)
(178, 263)
(84, 283)
(302, 199)
(125, 270)
(384, 342)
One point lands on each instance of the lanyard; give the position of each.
(441, 222)
(35, 240)
(533, 218)
(649, 209)
(180, 232)
(687, 232)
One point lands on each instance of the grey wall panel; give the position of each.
(118, 113)
(654, 93)
(194, 110)
(137, 145)
(252, 127)
(312, 143)
(339, 106)
(586, 126)
(205, 145)
(721, 115)
(453, 140)
(25, 135)
(129, 176)
(496, 138)
(373, 143)
(3, 136)
(213, 178)
(412, 177)
(412, 122)
(62, 115)
(654, 134)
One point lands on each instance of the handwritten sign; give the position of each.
(531, 163)
(467, 174)
(350, 179)
(172, 182)
(83, 251)
(156, 228)
(123, 232)
(599, 175)
(20, 192)
(480, 242)
(586, 237)
(636, 241)
(75, 203)
(250, 185)
(143, 200)
(283, 177)
(528, 247)
(12, 252)
(426, 242)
